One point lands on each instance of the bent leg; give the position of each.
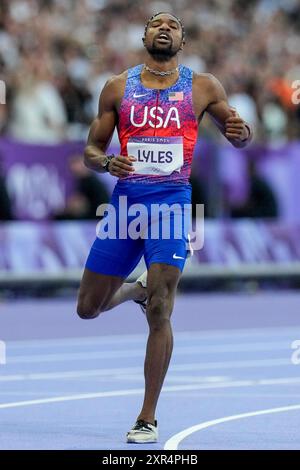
(95, 292)
(128, 291)
(99, 293)
(161, 286)
(109, 263)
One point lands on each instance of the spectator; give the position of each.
(38, 113)
(89, 192)
(85, 41)
(5, 202)
(261, 201)
(199, 195)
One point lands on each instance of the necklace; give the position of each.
(159, 72)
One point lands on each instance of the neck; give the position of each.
(161, 66)
(153, 64)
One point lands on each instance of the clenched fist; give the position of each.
(236, 128)
(121, 166)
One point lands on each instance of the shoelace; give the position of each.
(140, 424)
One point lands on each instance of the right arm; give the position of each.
(101, 133)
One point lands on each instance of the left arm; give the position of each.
(232, 126)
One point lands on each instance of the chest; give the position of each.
(160, 108)
(155, 115)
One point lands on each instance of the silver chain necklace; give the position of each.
(159, 72)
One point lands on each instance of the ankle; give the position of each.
(148, 419)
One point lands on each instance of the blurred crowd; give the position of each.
(55, 56)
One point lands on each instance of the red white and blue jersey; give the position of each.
(159, 128)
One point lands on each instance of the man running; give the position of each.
(157, 108)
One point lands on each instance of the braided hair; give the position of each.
(164, 12)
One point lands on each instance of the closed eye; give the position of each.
(172, 25)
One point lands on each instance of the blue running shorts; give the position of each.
(156, 227)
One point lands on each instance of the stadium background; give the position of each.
(55, 57)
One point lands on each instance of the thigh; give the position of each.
(108, 265)
(171, 247)
(113, 252)
(97, 289)
(167, 252)
(167, 241)
(114, 257)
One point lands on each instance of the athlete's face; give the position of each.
(163, 38)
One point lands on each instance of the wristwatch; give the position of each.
(106, 161)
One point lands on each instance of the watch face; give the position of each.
(105, 161)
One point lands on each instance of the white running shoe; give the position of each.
(143, 433)
(142, 280)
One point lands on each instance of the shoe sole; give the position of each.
(133, 441)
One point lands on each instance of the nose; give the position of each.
(164, 27)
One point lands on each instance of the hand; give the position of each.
(121, 166)
(235, 127)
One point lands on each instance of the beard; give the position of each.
(162, 54)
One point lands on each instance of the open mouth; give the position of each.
(163, 38)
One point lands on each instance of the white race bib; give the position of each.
(156, 155)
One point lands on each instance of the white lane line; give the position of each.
(140, 391)
(22, 394)
(177, 379)
(174, 441)
(181, 350)
(136, 338)
(112, 372)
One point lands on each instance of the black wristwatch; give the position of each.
(106, 161)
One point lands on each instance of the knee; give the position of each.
(87, 309)
(158, 312)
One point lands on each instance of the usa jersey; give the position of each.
(159, 128)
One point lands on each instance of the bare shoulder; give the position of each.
(112, 92)
(207, 90)
(116, 83)
(206, 81)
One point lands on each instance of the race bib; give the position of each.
(156, 155)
